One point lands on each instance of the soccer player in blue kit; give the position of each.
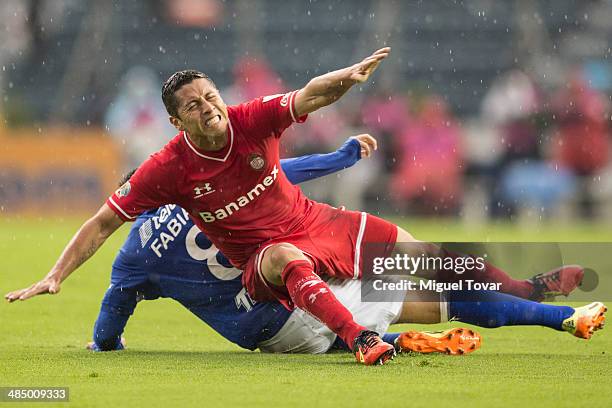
(166, 255)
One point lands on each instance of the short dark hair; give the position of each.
(174, 83)
(126, 177)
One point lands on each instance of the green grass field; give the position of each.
(173, 359)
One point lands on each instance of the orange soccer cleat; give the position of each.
(369, 349)
(452, 341)
(586, 320)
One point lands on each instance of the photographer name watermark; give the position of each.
(433, 286)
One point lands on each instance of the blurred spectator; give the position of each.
(582, 138)
(15, 38)
(195, 13)
(511, 106)
(137, 118)
(387, 116)
(582, 131)
(430, 167)
(511, 96)
(537, 185)
(16, 33)
(254, 77)
(599, 73)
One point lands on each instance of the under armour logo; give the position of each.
(309, 283)
(313, 297)
(202, 191)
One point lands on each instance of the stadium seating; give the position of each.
(455, 49)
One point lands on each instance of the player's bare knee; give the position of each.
(276, 258)
(281, 254)
(416, 249)
(404, 236)
(407, 244)
(421, 307)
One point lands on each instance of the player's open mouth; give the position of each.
(213, 121)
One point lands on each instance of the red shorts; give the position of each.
(334, 242)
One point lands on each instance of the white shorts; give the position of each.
(302, 333)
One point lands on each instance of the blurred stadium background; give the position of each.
(486, 110)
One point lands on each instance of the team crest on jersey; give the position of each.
(284, 100)
(256, 161)
(124, 190)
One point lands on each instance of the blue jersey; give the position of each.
(164, 248)
(166, 255)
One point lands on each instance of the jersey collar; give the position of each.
(196, 151)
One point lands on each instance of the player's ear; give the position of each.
(176, 122)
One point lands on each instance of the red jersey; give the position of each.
(239, 196)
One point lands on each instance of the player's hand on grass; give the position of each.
(361, 71)
(50, 284)
(368, 144)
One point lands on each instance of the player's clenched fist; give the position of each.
(361, 71)
(368, 144)
(48, 285)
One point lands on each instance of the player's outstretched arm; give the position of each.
(326, 89)
(312, 166)
(81, 247)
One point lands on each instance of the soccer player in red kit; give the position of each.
(223, 168)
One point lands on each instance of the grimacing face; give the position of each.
(201, 111)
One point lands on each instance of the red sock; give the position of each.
(490, 273)
(311, 294)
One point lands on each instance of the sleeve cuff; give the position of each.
(118, 210)
(302, 118)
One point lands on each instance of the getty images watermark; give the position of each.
(423, 266)
(425, 271)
